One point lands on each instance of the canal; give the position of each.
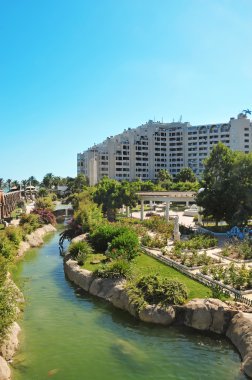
(69, 335)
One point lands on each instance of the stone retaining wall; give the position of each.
(10, 345)
(201, 314)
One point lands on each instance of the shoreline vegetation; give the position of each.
(14, 242)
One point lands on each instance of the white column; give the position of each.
(127, 211)
(142, 209)
(199, 215)
(167, 209)
(187, 203)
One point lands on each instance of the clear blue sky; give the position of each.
(74, 72)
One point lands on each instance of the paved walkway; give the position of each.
(185, 220)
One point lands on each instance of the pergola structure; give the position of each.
(165, 197)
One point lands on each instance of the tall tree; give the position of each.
(78, 184)
(164, 175)
(33, 181)
(186, 175)
(227, 182)
(240, 209)
(48, 180)
(112, 195)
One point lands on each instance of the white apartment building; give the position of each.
(141, 152)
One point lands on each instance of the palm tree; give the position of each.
(9, 183)
(48, 180)
(1, 183)
(24, 183)
(33, 181)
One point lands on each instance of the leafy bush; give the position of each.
(14, 234)
(88, 216)
(8, 308)
(3, 269)
(45, 203)
(159, 224)
(117, 269)
(158, 241)
(154, 289)
(197, 242)
(104, 234)
(7, 247)
(218, 292)
(45, 216)
(80, 250)
(239, 250)
(234, 275)
(29, 222)
(125, 245)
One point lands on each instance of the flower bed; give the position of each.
(238, 277)
(191, 259)
(238, 250)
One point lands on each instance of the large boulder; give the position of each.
(103, 287)
(157, 314)
(118, 298)
(240, 333)
(207, 315)
(81, 277)
(10, 344)
(5, 372)
(35, 239)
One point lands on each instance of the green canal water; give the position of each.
(69, 335)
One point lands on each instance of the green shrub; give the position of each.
(81, 258)
(104, 234)
(159, 241)
(7, 247)
(45, 203)
(14, 234)
(3, 270)
(88, 216)
(80, 250)
(197, 242)
(125, 245)
(218, 292)
(117, 269)
(8, 308)
(29, 223)
(154, 289)
(238, 277)
(239, 250)
(159, 224)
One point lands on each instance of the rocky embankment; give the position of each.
(201, 314)
(10, 344)
(35, 239)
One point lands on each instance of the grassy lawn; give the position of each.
(145, 264)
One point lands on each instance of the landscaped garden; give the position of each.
(238, 277)
(10, 238)
(113, 250)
